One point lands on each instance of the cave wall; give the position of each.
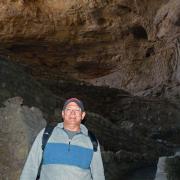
(131, 45)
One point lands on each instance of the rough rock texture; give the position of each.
(161, 174)
(133, 131)
(15, 81)
(127, 44)
(19, 125)
(168, 168)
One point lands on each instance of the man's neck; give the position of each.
(72, 128)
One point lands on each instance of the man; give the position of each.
(68, 154)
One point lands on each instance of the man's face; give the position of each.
(72, 115)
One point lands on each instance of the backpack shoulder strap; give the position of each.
(93, 140)
(46, 135)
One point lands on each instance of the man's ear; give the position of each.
(62, 113)
(83, 115)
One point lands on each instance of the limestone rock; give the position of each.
(15, 81)
(168, 167)
(19, 126)
(131, 45)
(133, 131)
(161, 174)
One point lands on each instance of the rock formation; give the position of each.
(15, 81)
(133, 131)
(132, 44)
(19, 126)
(168, 168)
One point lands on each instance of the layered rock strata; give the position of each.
(132, 44)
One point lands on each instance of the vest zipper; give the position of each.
(69, 145)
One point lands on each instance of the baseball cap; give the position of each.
(77, 101)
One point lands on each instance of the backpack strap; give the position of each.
(93, 140)
(47, 133)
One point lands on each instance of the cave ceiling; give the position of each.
(128, 44)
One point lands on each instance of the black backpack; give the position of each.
(46, 135)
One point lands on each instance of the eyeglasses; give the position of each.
(75, 110)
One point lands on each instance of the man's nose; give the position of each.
(73, 111)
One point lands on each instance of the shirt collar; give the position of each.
(83, 128)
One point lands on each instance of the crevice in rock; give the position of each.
(177, 23)
(138, 32)
(150, 52)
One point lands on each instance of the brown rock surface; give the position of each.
(129, 44)
(133, 131)
(132, 44)
(19, 126)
